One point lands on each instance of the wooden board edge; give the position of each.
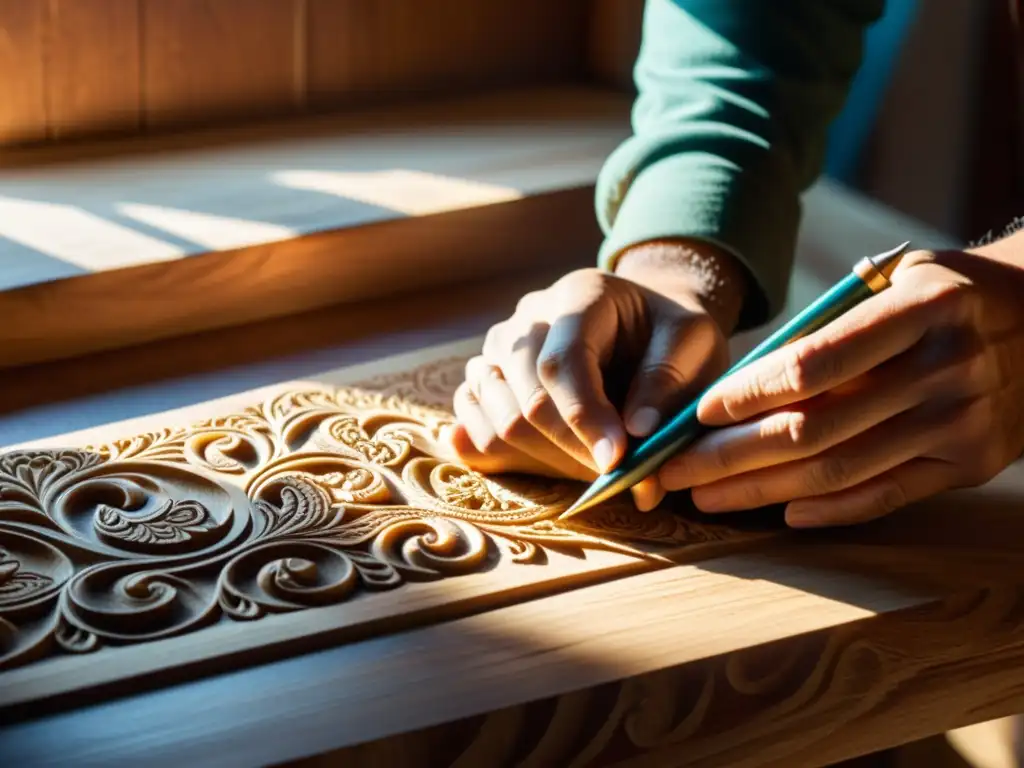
(126, 307)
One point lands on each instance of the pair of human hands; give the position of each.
(917, 390)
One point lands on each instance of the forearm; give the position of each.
(730, 125)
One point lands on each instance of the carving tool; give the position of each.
(869, 276)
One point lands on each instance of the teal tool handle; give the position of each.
(684, 428)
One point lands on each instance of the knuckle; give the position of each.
(576, 416)
(513, 429)
(537, 406)
(720, 458)
(493, 348)
(828, 473)
(662, 375)
(753, 496)
(552, 365)
(526, 301)
(811, 367)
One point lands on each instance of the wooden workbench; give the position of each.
(745, 645)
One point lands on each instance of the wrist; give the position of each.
(690, 271)
(1007, 248)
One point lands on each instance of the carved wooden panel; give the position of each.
(330, 501)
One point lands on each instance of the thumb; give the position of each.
(683, 351)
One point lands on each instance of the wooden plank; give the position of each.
(23, 115)
(337, 483)
(94, 64)
(208, 59)
(275, 225)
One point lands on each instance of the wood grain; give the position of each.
(94, 67)
(207, 59)
(333, 497)
(759, 659)
(23, 116)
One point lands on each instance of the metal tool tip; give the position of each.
(583, 503)
(887, 262)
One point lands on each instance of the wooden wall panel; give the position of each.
(93, 75)
(343, 51)
(22, 74)
(124, 65)
(614, 40)
(402, 46)
(208, 59)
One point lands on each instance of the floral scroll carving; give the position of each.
(310, 498)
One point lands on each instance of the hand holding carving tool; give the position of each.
(869, 276)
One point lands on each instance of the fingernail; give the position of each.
(604, 454)
(643, 421)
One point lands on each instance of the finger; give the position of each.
(569, 366)
(804, 429)
(461, 446)
(855, 461)
(501, 409)
(915, 480)
(871, 333)
(474, 444)
(516, 355)
(676, 358)
(647, 494)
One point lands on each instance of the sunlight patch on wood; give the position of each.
(207, 230)
(414, 193)
(78, 237)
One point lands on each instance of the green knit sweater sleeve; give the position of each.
(729, 128)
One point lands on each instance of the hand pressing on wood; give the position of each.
(918, 390)
(596, 356)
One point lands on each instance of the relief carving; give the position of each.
(310, 498)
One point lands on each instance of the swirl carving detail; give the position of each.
(310, 498)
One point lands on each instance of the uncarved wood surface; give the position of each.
(93, 66)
